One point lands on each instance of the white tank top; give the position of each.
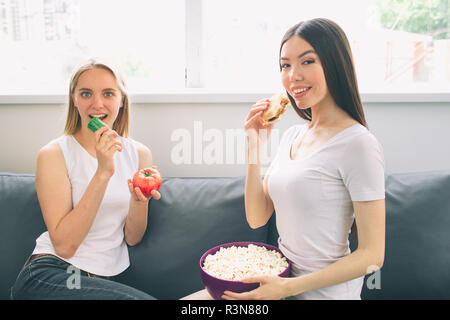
(103, 251)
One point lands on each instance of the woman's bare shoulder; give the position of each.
(51, 154)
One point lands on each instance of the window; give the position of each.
(398, 45)
(42, 42)
(217, 45)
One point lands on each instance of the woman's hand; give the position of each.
(258, 131)
(271, 288)
(106, 146)
(138, 197)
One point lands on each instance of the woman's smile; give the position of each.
(298, 93)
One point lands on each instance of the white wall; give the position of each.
(415, 136)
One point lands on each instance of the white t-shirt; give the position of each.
(313, 198)
(103, 250)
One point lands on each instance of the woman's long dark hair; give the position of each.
(331, 45)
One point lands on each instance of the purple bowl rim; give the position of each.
(204, 255)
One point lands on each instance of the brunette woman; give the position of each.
(327, 174)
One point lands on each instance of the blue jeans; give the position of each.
(50, 278)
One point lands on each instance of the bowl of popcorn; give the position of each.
(223, 267)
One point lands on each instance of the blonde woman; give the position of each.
(90, 210)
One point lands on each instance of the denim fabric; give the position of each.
(50, 278)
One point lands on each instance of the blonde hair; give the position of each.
(73, 120)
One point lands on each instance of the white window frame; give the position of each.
(194, 44)
(194, 79)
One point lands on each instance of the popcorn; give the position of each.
(237, 263)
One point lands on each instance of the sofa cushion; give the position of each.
(193, 215)
(21, 223)
(417, 257)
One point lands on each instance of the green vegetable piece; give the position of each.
(96, 124)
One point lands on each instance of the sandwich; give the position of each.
(277, 107)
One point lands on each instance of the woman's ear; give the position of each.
(74, 101)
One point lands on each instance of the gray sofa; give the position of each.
(196, 214)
